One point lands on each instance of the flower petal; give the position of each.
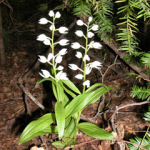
(42, 59)
(96, 64)
(75, 45)
(58, 59)
(41, 37)
(57, 15)
(51, 13)
(90, 34)
(46, 42)
(43, 21)
(97, 45)
(79, 76)
(79, 33)
(95, 27)
(63, 51)
(90, 19)
(63, 42)
(86, 83)
(45, 74)
(50, 56)
(63, 30)
(86, 57)
(73, 66)
(78, 55)
(51, 27)
(80, 23)
(61, 75)
(60, 68)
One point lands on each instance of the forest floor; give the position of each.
(15, 115)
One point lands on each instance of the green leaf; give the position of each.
(94, 86)
(60, 118)
(36, 127)
(94, 131)
(59, 144)
(81, 101)
(71, 86)
(45, 79)
(52, 129)
(54, 91)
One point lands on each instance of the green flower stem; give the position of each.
(86, 49)
(54, 68)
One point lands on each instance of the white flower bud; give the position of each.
(73, 66)
(50, 56)
(63, 51)
(60, 68)
(45, 74)
(58, 59)
(42, 59)
(86, 57)
(61, 76)
(63, 30)
(90, 19)
(97, 45)
(79, 76)
(80, 23)
(79, 33)
(46, 42)
(86, 83)
(95, 27)
(51, 13)
(78, 55)
(90, 34)
(51, 27)
(41, 37)
(75, 45)
(57, 15)
(96, 64)
(43, 21)
(63, 42)
(88, 70)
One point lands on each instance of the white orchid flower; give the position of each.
(78, 55)
(80, 23)
(88, 69)
(51, 13)
(43, 21)
(79, 33)
(96, 64)
(63, 30)
(63, 51)
(57, 15)
(91, 44)
(75, 45)
(45, 74)
(60, 68)
(46, 42)
(63, 42)
(58, 59)
(90, 19)
(86, 83)
(41, 37)
(95, 27)
(90, 34)
(42, 59)
(86, 57)
(73, 67)
(61, 76)
(51, 27)
(97, 45)
(50, 56)
(79, 76)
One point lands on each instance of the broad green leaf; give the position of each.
(60, 118)
(81, 101)
(59, 144)
(66, 100)
(94, 86)
(71, 86)
(45, 79)
(60, 91)
(69, 92)
(94, 131)
(36, 126)
(52, 129)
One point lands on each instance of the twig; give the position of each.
(32, 98)
(128, 105)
